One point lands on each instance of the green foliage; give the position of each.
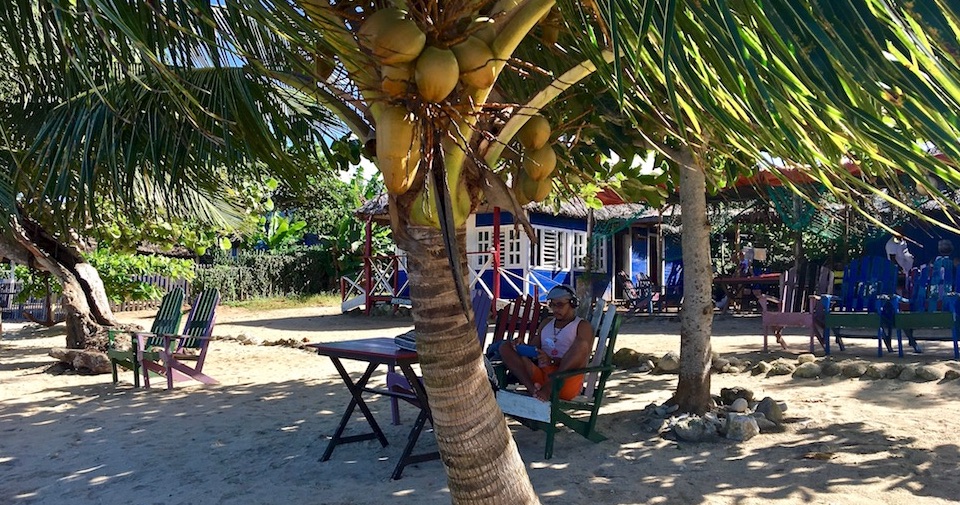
(262, 274)
(35, 284)
(121, 272)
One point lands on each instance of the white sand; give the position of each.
(258, 436)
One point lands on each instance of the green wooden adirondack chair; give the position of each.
(536, 414)
(191, 345)
(167, 320)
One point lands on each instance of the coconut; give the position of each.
(531, 190)
(398, 149)
(396, 79)
(535, 133)
(475, 60)
(391, 37)
(376, 23)
(539, 163)
(436, 73)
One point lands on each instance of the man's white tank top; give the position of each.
(556, 342)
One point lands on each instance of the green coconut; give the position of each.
(540, 163)
(535, 133)
(377, 23)
(475, 60)
(398, 149)
(531, 190)
(391, 37)
(436, 73)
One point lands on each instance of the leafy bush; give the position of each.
(258, 274)
(122, 273)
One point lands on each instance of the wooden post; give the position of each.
(496, 255)
(367, 273)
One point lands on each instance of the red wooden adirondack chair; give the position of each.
(192, 345)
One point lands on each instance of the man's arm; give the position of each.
(579, 352)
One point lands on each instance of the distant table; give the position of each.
(376, 352)
(735, 286)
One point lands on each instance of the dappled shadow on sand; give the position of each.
(106, 444)
(808, 463)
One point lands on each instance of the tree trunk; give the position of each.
(480, 456)
(84, 298)
(696, 315)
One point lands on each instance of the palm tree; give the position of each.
(441, 94)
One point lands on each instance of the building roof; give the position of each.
(377, 208)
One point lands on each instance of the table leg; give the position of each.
(356, 400)
(407, 457)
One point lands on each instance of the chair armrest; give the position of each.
(561, 376)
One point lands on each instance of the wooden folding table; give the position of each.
(376, 352)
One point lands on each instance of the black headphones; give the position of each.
(574, 301)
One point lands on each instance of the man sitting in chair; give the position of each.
(563, 342)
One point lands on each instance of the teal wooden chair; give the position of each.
(547, 416)
(170, 357)
(167, 320)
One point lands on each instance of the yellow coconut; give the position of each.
(525, 188)
(377, 23)
(535, 132)
(398, 149)
(396, 79)
(401, 42)
(436, 73)
(475, 60)
(542, 190)
(539, 163)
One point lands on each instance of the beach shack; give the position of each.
(573, 245)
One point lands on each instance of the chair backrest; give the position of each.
(518, 319)
(864, 280)
(797, 285)
(168, 317)
(930, 285)
(605, 333)
(481, 313)
(201, 319)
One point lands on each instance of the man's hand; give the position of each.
(543, 359)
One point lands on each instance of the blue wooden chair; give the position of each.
(868, 285)
(932, 305)
(672, 288)
(167, 320)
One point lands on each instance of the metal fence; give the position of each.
(12, 310)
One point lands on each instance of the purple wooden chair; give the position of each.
(192, 345)
(798, 304)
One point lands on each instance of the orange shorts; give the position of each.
(571, 386)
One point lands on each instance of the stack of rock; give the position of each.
(737, 417)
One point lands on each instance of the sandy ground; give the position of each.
(257, 437)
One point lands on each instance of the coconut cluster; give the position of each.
(411, 67)
(538, 161)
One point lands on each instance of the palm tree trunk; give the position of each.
(84, 297)
(696, 316)
(480, 456)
